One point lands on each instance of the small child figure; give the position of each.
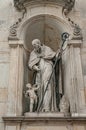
(31, 92)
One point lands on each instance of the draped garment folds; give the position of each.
(45, 63)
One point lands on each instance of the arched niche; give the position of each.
(48, 29)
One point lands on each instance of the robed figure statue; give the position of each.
(41, 60)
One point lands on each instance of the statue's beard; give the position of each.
(38, 50)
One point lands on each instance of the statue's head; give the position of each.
(28, 86)
(37, 45)
(36, 42)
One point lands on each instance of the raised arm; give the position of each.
(26, 93)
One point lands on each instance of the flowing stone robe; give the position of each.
(42, 77)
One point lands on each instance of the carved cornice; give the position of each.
(16, 2)
(16, 43)
(66, 4)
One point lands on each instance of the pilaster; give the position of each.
(15, 78)
(77, 95)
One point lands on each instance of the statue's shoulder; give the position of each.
(32, 53)
(48, 49)
(45, 46)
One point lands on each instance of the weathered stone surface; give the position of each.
(11, 128)
(37, 17)
(4, 74)
(3, 95)
(3, 109)
(43, 115)
(79, 127)
(1, 126)
(45, 128)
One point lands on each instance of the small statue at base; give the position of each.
(31, 93)
(64, 105)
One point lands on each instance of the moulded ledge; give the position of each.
(43, 117)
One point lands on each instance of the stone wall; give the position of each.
(8, 16)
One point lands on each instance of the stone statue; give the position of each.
(41, 61)
(31, 93)
(64, 105)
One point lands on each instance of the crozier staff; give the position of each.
(65, 38)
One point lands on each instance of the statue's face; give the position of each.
(28, 85)
(37, 46)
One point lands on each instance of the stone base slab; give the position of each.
(45, 114)
(78, 115)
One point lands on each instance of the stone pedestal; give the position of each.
(46, 115)
(15, 78)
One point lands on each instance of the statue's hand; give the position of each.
(40, 56)
(25, 94)
(58, 53)
(35, 67)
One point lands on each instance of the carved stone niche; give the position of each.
(48, 29)
(44, 27)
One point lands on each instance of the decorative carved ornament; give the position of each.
(77, 32)
(67, 4)
(20, 6)
(13, 29)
